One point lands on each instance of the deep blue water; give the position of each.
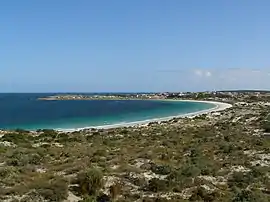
(26, 112)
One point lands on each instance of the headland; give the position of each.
(108, 96)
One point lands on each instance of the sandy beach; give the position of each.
(219, 106)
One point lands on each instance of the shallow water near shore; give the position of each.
(26, 112)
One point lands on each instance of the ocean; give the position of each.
(24, 111)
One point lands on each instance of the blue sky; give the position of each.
(142, 45)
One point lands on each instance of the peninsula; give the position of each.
(223, 96)
(132, 96)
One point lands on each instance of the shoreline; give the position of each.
(219, 106)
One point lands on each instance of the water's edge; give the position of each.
(216, 106)
(25, 112)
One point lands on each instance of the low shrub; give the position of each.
(16, 138)
(240, 179)
(157, 185)
(90, 182)
(251, 196)
(53, 190)
(161, 169)
(191, 171)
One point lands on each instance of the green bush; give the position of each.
(259, 171)
(16, 138)
(240, 179)
(177, 178)
(19, 130)
(157, 185)
(251, 196)
(17, 158)
(206, 166)
(200, 194)
(7, 171)
(226, 147)
(52, 190)
(191, 171)
(22, 158)
(161, 169)
(266, 127)
(90, 182)
(35, 159)
(266, 124)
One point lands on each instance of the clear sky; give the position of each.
(136, 45)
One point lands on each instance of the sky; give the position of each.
(134, 46)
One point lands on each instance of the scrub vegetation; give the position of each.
(218, 157)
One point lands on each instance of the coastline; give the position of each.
(141, 158)
(219, 106)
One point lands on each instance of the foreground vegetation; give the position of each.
(223, 156)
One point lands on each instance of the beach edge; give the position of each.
(219, 106)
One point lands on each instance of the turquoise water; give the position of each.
(26, 112)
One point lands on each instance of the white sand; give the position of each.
(219, 106)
